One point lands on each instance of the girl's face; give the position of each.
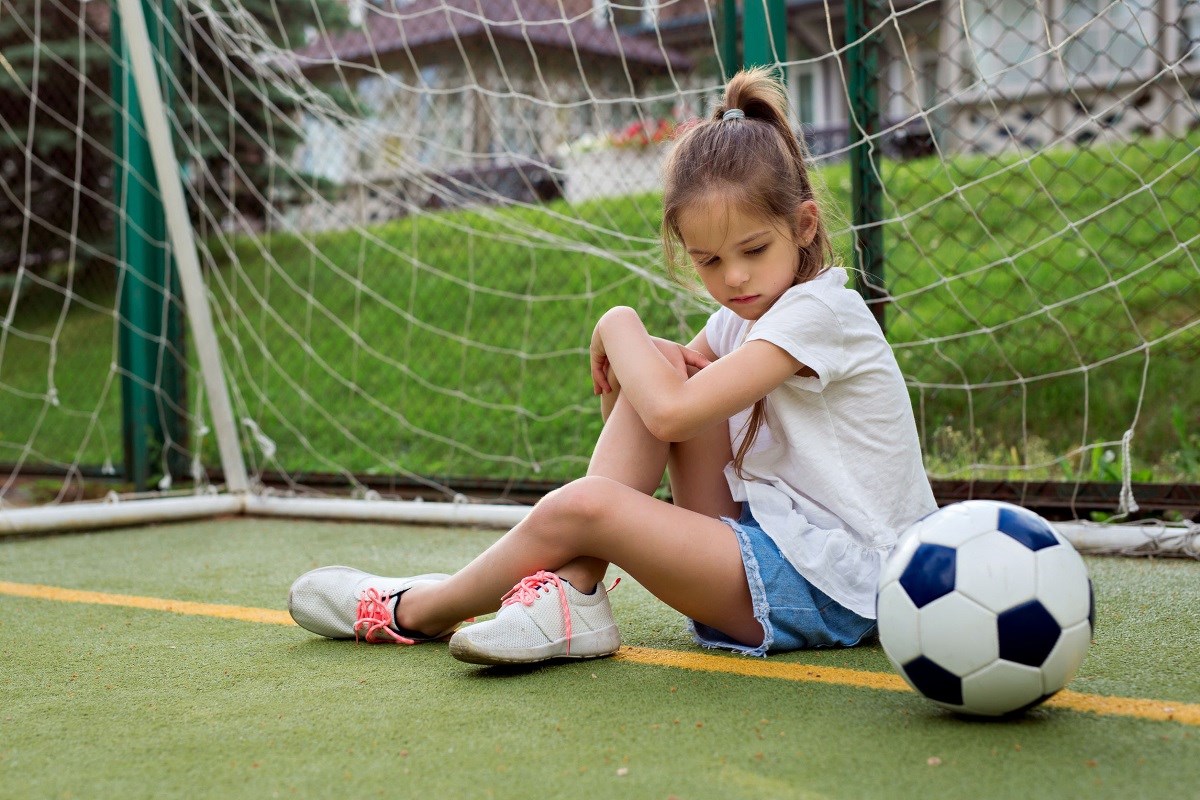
(745, 261)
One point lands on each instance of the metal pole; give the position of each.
(764, 34)
(150, 332)
(727, 34)
(866, 188)
(195, 294)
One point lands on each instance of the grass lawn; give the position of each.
(114, 701)
(1041, 306)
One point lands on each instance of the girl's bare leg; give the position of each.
(680, 552)
(628, 453)
(688, 560)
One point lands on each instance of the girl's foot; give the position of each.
(542, 617)
(347, 603)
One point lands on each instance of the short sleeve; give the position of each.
(808, 330)
(721, 331)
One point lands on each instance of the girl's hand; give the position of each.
(692, 360)
(599, 364)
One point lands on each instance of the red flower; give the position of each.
(643, 134)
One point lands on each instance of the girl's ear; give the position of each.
(805, 223)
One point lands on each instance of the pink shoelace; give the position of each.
(373, 619)
(529, 587)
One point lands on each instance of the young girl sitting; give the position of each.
(784, 426)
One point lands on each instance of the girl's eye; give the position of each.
(707, 263)
(756, 250)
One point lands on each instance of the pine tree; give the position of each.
(56, 117)
(242, 101)
(55, 136)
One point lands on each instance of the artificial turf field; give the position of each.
(214, 695)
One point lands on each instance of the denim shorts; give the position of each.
(795, 615)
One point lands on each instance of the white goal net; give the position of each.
(408, 214)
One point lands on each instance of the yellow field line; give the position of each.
(1158, 710)
(763, 668)
(243, 613)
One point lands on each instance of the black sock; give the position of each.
(400, 629)
(590, 592)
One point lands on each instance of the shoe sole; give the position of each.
(593, 644)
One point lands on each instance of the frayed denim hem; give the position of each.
(707, 636)
(794, 614)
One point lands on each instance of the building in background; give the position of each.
(985, 75)
(457, 98)
(476, 97)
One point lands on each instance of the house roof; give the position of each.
(539, 23)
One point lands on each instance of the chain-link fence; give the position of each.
(410, 216)
(1040, 256)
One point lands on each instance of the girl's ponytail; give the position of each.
(758, 95)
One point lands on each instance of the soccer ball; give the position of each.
(984, 608)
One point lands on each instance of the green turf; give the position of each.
(109, 702)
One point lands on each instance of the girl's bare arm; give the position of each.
(672, 407)
(695, 356)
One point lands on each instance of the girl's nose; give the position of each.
(735, 277)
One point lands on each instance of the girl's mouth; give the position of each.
(746, 298)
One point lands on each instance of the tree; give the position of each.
(56, 116)
(55, 136)
(251, 120)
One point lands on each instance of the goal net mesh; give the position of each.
(410, 213)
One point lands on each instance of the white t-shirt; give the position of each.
(835, 474)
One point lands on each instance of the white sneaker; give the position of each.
(542, 617)
(346, 603)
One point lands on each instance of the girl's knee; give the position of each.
(571, 521)
(584, 501)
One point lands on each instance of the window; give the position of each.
(1189, 28)
(325, 151)
(926, 64)
(1107, 38)
(1006, 42)
(807, 98)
